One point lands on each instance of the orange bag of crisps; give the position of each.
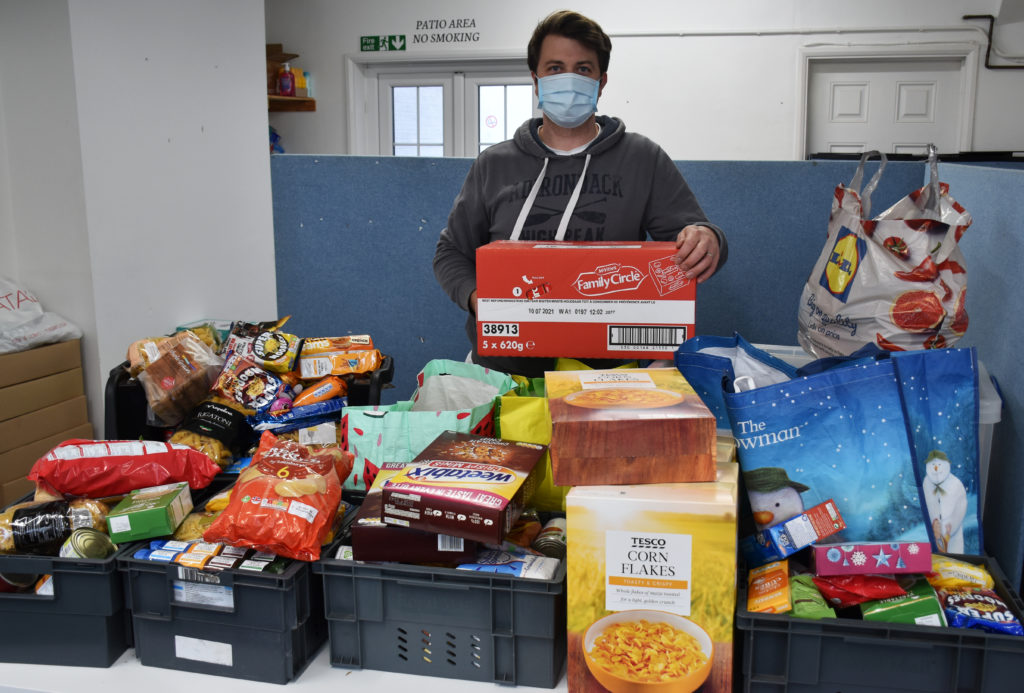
(285, 501)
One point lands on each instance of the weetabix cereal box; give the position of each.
(582, 299)
(652, 585)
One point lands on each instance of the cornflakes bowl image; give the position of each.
(624, 398)
(643, 651)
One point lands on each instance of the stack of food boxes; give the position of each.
(42, 402)
(651, 515)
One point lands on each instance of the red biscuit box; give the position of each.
(616, 299)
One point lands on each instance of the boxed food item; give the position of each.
(789, 536)
(769, 588)
(872, 557)
(582, 299)
(375, 540)
(919, 606)
(150, 512)
(628, 426)
(652, 569)
(463, 484)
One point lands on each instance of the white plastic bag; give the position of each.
(898, 280)
(25, 325)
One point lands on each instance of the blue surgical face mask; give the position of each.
(567, 98)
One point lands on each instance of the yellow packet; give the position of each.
(952, 574)
(768, 588)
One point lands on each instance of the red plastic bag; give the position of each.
(100, 468)
(284, 502)
(841, 591)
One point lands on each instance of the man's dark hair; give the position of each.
(571, 25)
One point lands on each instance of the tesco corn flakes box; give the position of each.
(615, 299)
(652, 585)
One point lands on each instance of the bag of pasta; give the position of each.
(285, 501)
(216, 427)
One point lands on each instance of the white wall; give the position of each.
(138, 168)
(718, 92)
(46, 248)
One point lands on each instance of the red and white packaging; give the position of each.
(582, 299)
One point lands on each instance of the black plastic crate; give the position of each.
(84, 623)
(126, 410)
(785, 654)
(444, 622)
(236, 623)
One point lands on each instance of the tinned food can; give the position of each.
(86, 542)
(551, 540)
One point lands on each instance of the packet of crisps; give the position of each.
(981, 609)
(768, 588)
(249, 385)
(276, 351)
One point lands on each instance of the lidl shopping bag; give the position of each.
(939, 390)
(840, 435)
(898, 280)
(450, 396)
(523, 415)
(711, 365)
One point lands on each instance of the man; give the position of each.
(570, 175)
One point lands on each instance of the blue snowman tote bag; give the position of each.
(839, 434)
(711, 365)
(939, 389)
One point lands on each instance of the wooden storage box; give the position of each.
(628, 426)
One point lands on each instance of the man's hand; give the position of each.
(697, 252)
(472, 302)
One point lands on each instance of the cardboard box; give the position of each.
(15, 490)
(582, 299)
(42, 423)
(150, 512)
(31, 395)
(374, 540)
(18, 462)
(465, 485)
(789, 536)
(658, 552)
(35, 363)
(864, 558)
(628, 426)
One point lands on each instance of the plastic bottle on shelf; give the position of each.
(309, 83)
(286, 81)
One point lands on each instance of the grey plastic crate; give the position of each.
(781, 654)
(235, 623)
(235, 651)
(444, 622)
(84, 623)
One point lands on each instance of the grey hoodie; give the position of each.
(631, 190)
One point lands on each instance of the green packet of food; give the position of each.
(806, 600)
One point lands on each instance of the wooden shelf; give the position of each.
(276, 104)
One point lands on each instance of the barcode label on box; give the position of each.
(630, 337)
(447, 542)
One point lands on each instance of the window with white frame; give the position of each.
(434, 109)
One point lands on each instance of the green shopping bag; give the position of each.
(523, 415)
(450, 396)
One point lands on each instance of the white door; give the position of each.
(895, 106)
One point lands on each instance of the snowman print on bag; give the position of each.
(946, 500)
